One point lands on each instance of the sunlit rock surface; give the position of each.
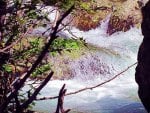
(124, 15)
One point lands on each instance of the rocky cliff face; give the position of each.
(142, 75)
(124, 14)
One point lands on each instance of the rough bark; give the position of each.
(142, 75)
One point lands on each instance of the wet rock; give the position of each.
(124, 15)
(85, 21)
(116, 24)
(142, 75)
(89, 15)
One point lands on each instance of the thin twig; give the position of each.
(19, 39)
(36, 63)
(91, 87)
(36, 92)
(21, 36)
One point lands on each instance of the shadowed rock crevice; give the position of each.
(142, 75)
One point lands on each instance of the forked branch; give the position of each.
(60, 107)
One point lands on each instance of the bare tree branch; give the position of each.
(36, 63)
(21, 36)
(60, 108)
(91, 87)
(36, 92)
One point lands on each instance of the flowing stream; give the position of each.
(114, 54)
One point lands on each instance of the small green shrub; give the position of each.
(7, 68)
(41, 70)
(61, 44)
(33, 49)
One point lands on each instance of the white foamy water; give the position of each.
(121, 41)
(114, 54)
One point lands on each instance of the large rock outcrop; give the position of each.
(142, 75)
(124, 14)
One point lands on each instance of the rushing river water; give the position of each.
(114, 54)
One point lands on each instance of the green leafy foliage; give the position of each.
(61, 44)
(41, 70)
(7, 68)
(66, 4)
(33, 49)
(32, 14)
(18, 53)
(85, 5)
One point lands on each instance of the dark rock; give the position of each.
(117, 24)
(142, 75)
(85, 21)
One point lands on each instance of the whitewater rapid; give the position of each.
(115, 53)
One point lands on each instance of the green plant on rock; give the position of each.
(61, 44)
(66, 4)
(85, 6)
